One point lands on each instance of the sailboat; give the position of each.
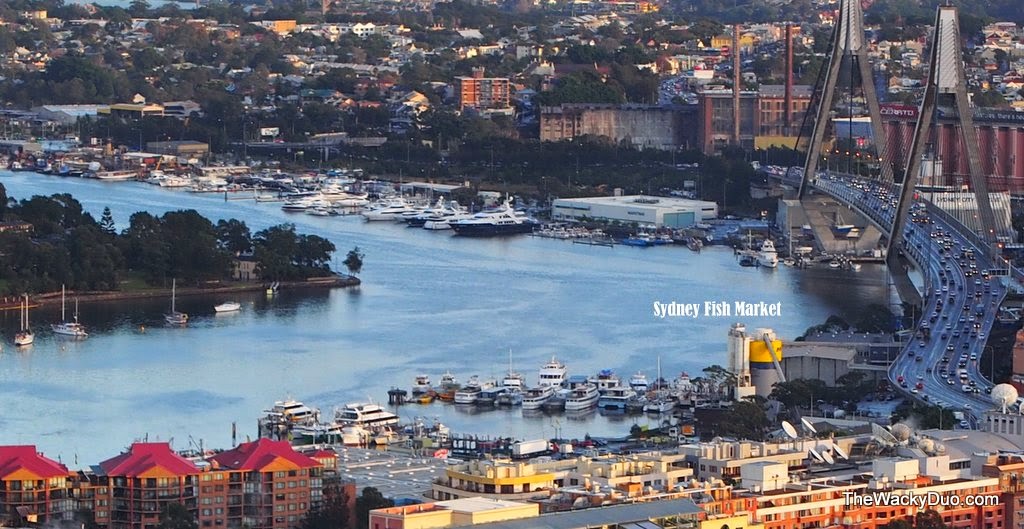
(174, 317)
(662, 402)
(25, 335)
(68, 328)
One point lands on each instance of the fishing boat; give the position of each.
(175, 317)
(24, 336)
(228, 306)
(68, 328)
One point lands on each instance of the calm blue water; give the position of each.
(429, 302)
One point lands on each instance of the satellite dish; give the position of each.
(1003, 395)
(828, 458)
(789, 429)
(840, 452)
(807, 424)
(814, 453)
(901, 432)
(882, 434)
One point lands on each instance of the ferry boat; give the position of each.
(534, 398)
(115, 176)
(366, 415)
(582, 398)
(616, 398)
(421, 385)
(768, 257)
(504, 221)
(551, 374)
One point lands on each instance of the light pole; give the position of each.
(992, 362)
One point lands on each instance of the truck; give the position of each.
(958, 415)
(528, 449)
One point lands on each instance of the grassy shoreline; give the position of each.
(52, 298)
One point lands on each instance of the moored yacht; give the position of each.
(388, 210)
(582, 397)
(421, 385)
(471, 391)
(767, 256)
(605, 380)
(551, 374)
(365, 414)
(638, 383)
(534, 398)
(24, 336)
(616, 398)
(503, 221)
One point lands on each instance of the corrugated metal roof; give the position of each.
(600, 516)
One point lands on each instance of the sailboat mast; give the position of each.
(63, 317)
(174, 283)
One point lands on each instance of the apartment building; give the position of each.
(35, 484)
(487, 95)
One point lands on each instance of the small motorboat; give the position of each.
(228, 306)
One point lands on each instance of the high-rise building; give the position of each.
(33, 485)
(487, 95)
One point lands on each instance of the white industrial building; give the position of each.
(667, 212)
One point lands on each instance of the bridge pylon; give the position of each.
(946, 85)
(849, 46)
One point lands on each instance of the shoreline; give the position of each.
(53, 298)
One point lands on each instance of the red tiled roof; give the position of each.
(25, 457)
(260, 453)
(142, 457)
(322, 453)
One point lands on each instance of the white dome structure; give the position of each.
(1003, 395)
(901, 432)
(927, 445)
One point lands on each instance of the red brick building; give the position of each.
(33, 488)
(264, 484)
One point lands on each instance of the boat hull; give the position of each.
(491, 230)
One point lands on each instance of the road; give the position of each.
(927, 368)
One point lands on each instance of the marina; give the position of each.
(427, 305)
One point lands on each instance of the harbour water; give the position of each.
(429, 302)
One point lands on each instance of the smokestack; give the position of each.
(736, 84)
(787, 116)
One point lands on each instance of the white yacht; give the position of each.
(228, 306)
(68, 328)
(551, 374)
(443, 222)
(534, 398)
(513, 381)
(388, 210)
(661, 403)
(366, 415)
(471, 391)
(638, 383)
(582, 398)
(421, 385)
(616, 398)
(605, 380)
(294, 412)
(767, 256)
(501, 221)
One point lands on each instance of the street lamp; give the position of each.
(992, 362)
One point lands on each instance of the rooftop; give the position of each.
(600, 516)
(260, 454)
(641, 201)
(16, 460)
(476, 504)
(148, 459)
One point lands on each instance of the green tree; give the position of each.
(333, 513)
(177, 516)
(107, 221)
(899, 523)
(747, 420)
(929, 519)
(3, 201)
(354, 260)
(370, 499)
(234, 236)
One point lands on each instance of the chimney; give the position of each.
(478, 72)
(787, 115)
(736, 84)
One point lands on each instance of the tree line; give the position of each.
(68, 246)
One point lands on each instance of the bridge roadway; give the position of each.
(927, 368)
